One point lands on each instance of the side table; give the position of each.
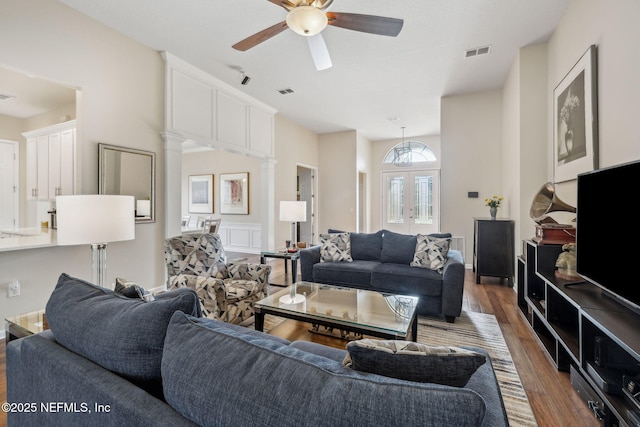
(25, 324)
(283, 254)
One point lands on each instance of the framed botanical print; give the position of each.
(201, 193)
(575, 120)
(234, 193)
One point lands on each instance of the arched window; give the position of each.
(411, 152)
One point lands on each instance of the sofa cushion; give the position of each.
(335, 247)
(413, 361)
(123, 335)
(366, 246)
(431, 252)
(220, 377)
(404, 279)
(356, 273)
(397, 248)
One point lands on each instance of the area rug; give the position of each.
(482, 330)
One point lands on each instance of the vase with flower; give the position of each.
(494, 203)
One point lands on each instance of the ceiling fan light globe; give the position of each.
(307, 20)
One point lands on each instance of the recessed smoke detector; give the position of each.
(477, 51)
(285, 91)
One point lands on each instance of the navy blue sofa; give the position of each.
(184, 370)
(381, 263)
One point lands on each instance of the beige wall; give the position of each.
(216, 163)
(612, 26)
(122, 103)
(471, 127)
(338, 181)
(294, 145)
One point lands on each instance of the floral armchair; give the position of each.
(227, 292)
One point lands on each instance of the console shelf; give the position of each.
(580, 328)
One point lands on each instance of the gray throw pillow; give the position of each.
(123, 335)
(407, 360)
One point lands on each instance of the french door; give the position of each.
(411, 201)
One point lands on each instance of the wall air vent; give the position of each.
(477, 51)
(285, 91)
(3, 96)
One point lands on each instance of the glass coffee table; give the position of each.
(363, 312)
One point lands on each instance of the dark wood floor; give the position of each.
(553, 400)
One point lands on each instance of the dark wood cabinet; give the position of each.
(493, 248)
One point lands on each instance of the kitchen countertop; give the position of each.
(26, 238)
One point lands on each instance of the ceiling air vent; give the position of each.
(3, 97)
(477, 51)
(285, 91)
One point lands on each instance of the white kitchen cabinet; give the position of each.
(51, 159)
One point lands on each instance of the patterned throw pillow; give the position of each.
(411, 361)
(431, 252)
(335, 247)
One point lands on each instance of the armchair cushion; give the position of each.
(207, 289)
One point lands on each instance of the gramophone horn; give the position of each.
(547, 201)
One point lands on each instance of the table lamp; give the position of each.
(95, 219)
(293, 212)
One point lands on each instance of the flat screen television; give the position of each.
(608, 231)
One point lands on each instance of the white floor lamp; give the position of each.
(293, 212)
(95, 219)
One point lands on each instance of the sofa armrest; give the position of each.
(309, 257)
(452, 285)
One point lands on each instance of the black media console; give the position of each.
(584, 332)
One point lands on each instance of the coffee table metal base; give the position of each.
(260, 312)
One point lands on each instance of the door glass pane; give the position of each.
(395, 200)
(423, 200)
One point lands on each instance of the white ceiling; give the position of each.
(373, 78)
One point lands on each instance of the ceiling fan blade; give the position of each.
(366, 23)
(319, 52)
(260, 36)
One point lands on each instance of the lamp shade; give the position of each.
(95, 218)
(293, 211)
(307, 20)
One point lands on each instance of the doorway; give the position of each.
(306, 191)
(411, 201)
(9, 204)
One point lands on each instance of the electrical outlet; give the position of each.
(14, 289)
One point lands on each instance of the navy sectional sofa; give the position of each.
(183, 370)
(381, 263)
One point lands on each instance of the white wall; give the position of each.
(471, 144)
(122, 103)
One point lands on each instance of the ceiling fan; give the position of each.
(308, 18)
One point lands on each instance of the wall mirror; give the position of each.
(131, 172)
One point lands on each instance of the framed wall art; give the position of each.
(234, 193)
(575, 120)
(201, 193)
